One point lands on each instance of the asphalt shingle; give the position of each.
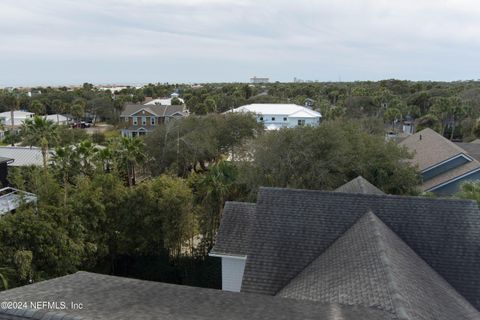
(359, 185)
(115, 298)
(371, 266)
(294, 227)
(232, 236)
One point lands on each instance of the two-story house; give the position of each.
(276, 116)
(139, 120)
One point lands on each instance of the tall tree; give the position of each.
(37, 107)
(132, 153)
(42, 133)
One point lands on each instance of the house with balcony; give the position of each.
(139, 120)
(276, 116)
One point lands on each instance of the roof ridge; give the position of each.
(339, 194)
(397, 300)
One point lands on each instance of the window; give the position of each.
(152, 121)
(135, 121)
(144, 121)
(261, 118)
(126, 119)
(301, 122)
(284, 118)
(273, 118)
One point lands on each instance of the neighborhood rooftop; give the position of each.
(157, 110)
(279, 109)
(443, 164)
(359, 185)
(405, 255)
(115, 298)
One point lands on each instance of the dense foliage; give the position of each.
(150, 208)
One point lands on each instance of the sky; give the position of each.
(63, 42)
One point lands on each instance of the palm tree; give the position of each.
(37, 107)
(10, 100)
(86, 151)
(40, 132)
(105, 159)
(66, 161)
(58, 107)
(215, 186)
(132, 153)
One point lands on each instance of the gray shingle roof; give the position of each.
(232, 237)
(107, 297)
(158, 110)
(294, 227)
(359, 185)
(371, 266)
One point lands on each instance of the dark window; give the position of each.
(301, 122)
(273, 118)
(285, 119)
(261, 118)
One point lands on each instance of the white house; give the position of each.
(58, 118)
(18, 117)
(164, 101)
(275, 116)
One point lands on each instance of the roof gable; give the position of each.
(232, 236)
(371, 266)
(293, 227)
(359, 185)
(156, 110)
(430, 148)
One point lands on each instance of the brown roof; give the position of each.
(430, 148)
(157, 110)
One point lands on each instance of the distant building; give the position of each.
(259, 80)
(139, 119)
(58, 118)
(309, 103)
(164, 101)
(443, 164)
(276, 116)
(18, 118)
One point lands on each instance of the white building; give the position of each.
(256, 80)
(164, 101)
(18, 117)
(57, 118)
(276, 116)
